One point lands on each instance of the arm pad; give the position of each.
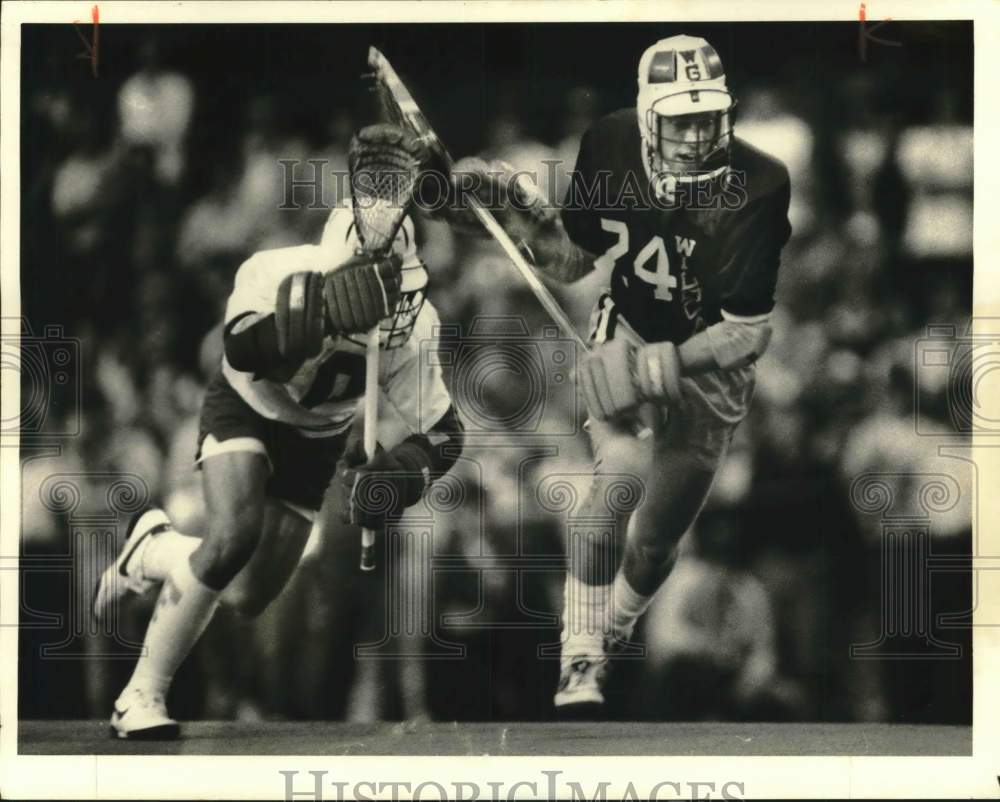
(250, 342)
(735, 344)
(722, 346)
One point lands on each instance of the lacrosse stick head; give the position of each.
(392, 94)
(383, 163)
(399, 107)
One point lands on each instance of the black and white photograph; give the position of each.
(462, 385)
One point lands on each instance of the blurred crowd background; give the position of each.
(145, 188)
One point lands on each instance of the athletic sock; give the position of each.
(626, 606)
(183, 610)
(162, 552)
(585, 617)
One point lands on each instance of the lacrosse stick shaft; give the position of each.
(540, 291)
(413, 117)
(383, 162)
(370, 435)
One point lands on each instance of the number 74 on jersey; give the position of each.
(659, 275)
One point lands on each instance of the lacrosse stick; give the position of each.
(400, 106)
(383, 169)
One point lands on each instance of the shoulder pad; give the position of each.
(764, 174)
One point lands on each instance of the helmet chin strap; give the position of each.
(665, 183)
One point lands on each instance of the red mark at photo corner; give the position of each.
(92, 48)
(866, 33)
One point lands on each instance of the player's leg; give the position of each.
(234, 482)
(152, 547)
(617, 487)
(687, 452)
(303, 469)
(285, 532)
(679, 486)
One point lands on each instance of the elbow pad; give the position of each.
(736, 344)
(250, 343)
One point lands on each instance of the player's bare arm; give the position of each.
(524, 214)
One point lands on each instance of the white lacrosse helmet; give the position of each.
(340, 241)
(678, 76)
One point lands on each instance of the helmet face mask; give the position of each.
(688, 143)
(685, 116)
(395, 331)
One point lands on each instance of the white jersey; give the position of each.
(322, 397)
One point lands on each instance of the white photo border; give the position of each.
(145, 777)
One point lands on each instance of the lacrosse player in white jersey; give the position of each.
(274, 433)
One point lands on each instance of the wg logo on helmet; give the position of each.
(692, 71)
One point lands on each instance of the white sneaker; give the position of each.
(581, 677)
(124, 575)
(142, 715)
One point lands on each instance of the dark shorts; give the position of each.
(301, 467)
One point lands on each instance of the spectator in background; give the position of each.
(212, 234)
(331, 157)
(936, 161)
(155, 107)
(711, 639)
(91, 209)
(242, 214)
(892, 442)
(259, 190)
(581, 111)
(508, 142)
(767, 122)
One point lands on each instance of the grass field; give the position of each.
(512, 738)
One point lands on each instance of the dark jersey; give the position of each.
(676, 271)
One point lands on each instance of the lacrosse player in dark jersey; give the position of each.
(689, 221)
